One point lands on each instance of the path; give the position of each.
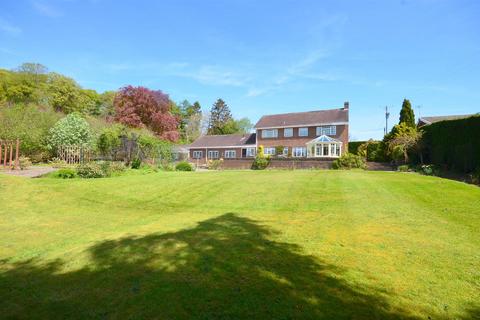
(32, 172)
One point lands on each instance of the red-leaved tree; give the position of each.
(141, 107)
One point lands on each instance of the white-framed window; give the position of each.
(269, 151)
(285, 151)
(250, 152)
(303, 132)
(197, 154)
(213, 154)
(288, 132)
(270, 133)
(230, 154)
(327, 130)
(299, 152)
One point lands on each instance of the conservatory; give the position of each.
(324, 147)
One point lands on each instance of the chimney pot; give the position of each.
(346, 105)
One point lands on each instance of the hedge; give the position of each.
(353, 146)
(454, 144)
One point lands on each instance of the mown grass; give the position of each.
(240, 244)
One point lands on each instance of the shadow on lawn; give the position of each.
(225, 267)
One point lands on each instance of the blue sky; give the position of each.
(262, 57)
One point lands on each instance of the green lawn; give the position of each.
(240, 244)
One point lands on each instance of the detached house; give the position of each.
(313, 134)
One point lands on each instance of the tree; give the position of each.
(220, 119)
(244, 125)
(107, 108)
(404, 138)
(406, 114)
(65, 94)
(140, 107)
(69, 131)
(193, 128)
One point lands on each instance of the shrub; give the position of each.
(403, 168)
(58, 163)
(475, 177)
(260, 163)
(428, 170)
(183, 166)
(214, 164)
(354, 145)
(30, 124)
(349, 161)
(117, 167)
(24, 162)
(136, 163)
(91, 170)
(69, 131)
(109, 141)
(66, 173)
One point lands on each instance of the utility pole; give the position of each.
(387, 115)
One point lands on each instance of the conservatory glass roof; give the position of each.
(324, 138)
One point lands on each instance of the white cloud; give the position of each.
(46, 9)
(213, 75)
(9, 29)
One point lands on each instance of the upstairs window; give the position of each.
(288, 132)
(327, 130)
(303, 132)
(272, 133)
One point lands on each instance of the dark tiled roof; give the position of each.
(228, 140)
(430, 120)
(303, 118)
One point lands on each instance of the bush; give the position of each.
(30, 124)
(183, 166)
(136, 163)
(91, 170)
(69, 131)
(66, 173)
(354, 145)
(453, 144)
(403, 168)
(109, 141)
(428, 170)
(214, 164)
(117, 167)
(24, 162)
(260, 163)
(58, 163)
(349, 161)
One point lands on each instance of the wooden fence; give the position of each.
(9, 154)
(74, 154)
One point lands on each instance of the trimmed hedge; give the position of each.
(353, 146)
(454, 144)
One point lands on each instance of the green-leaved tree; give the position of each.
(406, 114)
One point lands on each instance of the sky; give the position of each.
(262, 56)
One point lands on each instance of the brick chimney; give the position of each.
(346, 105)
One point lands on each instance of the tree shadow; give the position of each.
(225, 267)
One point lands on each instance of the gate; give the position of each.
(9, 153)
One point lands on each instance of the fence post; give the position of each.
(5, 156)
(17, 161)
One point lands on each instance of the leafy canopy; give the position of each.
(69, 131)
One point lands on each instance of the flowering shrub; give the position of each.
(24, 162)
(69, 131)
(428, 170)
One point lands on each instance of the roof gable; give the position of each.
(303, 118)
